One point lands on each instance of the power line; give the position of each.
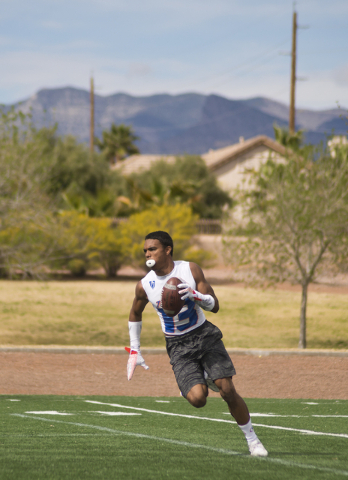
(252, 69)
(244, 64)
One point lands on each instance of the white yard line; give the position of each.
(192, 445)
(306, 432)
(50, 412)
(31, 435)
(271, 415)
(299, 430)
(161, 413)
(115, 414)
(330, 416)
(291, 416)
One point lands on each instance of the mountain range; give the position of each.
(173, 124)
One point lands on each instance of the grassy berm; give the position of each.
(96, 313)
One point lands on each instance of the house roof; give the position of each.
(137, 163)
(217, 158)
(214, 158)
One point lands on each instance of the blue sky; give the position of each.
(232, 48)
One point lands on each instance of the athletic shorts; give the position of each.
(199, 350)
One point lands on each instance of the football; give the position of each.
(171, 301)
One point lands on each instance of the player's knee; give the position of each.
(197, 397)
(198, 402)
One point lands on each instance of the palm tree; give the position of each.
(290, 140)
(117, 143)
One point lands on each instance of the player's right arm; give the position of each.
(134, 326)
(139, 303)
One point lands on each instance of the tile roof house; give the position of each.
(228, 163)
(137, 163)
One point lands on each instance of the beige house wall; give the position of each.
(233, 174)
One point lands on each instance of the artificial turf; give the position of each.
(90, 443)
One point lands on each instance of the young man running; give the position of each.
(196, 351)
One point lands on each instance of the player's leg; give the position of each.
(188, 370)
(236, 404)
(240, 412)
(197, 396)
(218, 365)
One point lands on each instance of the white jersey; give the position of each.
(190, 316)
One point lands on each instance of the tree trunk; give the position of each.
(303, 341)
(111, 266)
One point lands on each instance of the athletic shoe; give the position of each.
(256, 449)
(210, 383)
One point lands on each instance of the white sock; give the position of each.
(248, 431)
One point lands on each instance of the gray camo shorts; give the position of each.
(199, 350)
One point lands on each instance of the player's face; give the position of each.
(154, 250)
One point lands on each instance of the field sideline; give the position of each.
(61, 437)
(95, 313)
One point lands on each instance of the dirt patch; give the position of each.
(276, 376)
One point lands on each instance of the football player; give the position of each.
(197, 354)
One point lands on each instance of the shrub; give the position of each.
(94, 241)
(177, 220)
(77, 267)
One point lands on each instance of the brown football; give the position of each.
(171, 301)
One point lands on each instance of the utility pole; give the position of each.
(293, 75)
(91, 140)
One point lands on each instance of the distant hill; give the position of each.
(187, 123)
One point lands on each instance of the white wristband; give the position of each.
(134, 335)
(206, 302)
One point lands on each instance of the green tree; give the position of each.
(187, 180)
(291, 221)
(81, 182)
(177, 220)
(89, 242)
(107, 244)
(28, 245)
(117, 143)
(27, 226)
(41, 174)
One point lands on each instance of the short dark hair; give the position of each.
(163, 237)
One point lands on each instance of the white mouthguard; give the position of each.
(150, 263)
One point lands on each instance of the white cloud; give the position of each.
(139, 70)
(26, 72)
(341, 76)
(321, 91)
(153, 46)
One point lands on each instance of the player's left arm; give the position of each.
(204, 294)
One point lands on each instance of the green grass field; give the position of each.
(129, 438)
(96, 313)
